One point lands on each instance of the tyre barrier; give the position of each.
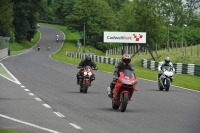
(180, 68)
(101, 59)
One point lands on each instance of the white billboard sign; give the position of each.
(124, 37)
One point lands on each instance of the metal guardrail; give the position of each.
(192, 69)
(4, 52)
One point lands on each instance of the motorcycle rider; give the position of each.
(57, 37)
(166, 62)
(123, 64)
(86, 62)
(38, 47)
(48, 46)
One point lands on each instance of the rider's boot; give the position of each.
(92, 78)
(110, 93)
(110, 90)
(78, 81)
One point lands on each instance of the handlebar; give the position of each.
(80, 67)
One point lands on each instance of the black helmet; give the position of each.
(88, 58)
(126, 58)
(167, 60)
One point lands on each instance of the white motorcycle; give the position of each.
(166, 78)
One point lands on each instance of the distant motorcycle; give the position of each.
(123, 90)
(48, 47)
(57, 40)
(85, 78)
(164, 81)
(38, 48)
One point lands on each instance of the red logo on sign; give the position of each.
(137, 38)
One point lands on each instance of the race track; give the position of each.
(48, 99)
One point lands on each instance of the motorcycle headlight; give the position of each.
(171, 73)
(85, 73)
(166, 73)
(89, 73)
(132, 82)
(123, 81)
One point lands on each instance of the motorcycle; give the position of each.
(48, 47)
(123, 90)
(85, 78)
(38, 48)
(164, 81)
(57, 39)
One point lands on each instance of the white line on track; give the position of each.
(38, 99)
(23, 86)
(59, 114)
(26, 123)
(31, 94)
(76, 126)
(46, 105)
(26, 89)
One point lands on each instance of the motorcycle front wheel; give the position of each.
(86, 86)
(124, 102)
(167, 84)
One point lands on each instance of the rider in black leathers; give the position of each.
(86, 62)
(124, 64)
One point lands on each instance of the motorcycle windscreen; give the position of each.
(88, 68)
(166, 68)
(127, 73)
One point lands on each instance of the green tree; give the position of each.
(6, 17)
(97, 17)
(63, 8)
(141, 16)
(115, 4)
(26, 15)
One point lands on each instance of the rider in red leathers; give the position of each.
(124, 64)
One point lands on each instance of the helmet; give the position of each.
(88, 58)
(167, 60)
(126, 58)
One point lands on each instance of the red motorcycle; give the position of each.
(85, 78)
(123, 90)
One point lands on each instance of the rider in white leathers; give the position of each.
(166, 62)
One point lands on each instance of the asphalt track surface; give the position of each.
(48, 99)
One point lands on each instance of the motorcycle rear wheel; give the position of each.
(81, 90)
(114, 106)
(124, 102)
(159, 86)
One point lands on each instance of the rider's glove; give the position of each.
(115, 79)
(79, 66)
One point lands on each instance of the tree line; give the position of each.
(162, 20)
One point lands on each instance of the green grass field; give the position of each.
(11, 131)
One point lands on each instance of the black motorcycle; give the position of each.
(38, 48)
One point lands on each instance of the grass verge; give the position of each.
(18, 48)
(10, 131)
